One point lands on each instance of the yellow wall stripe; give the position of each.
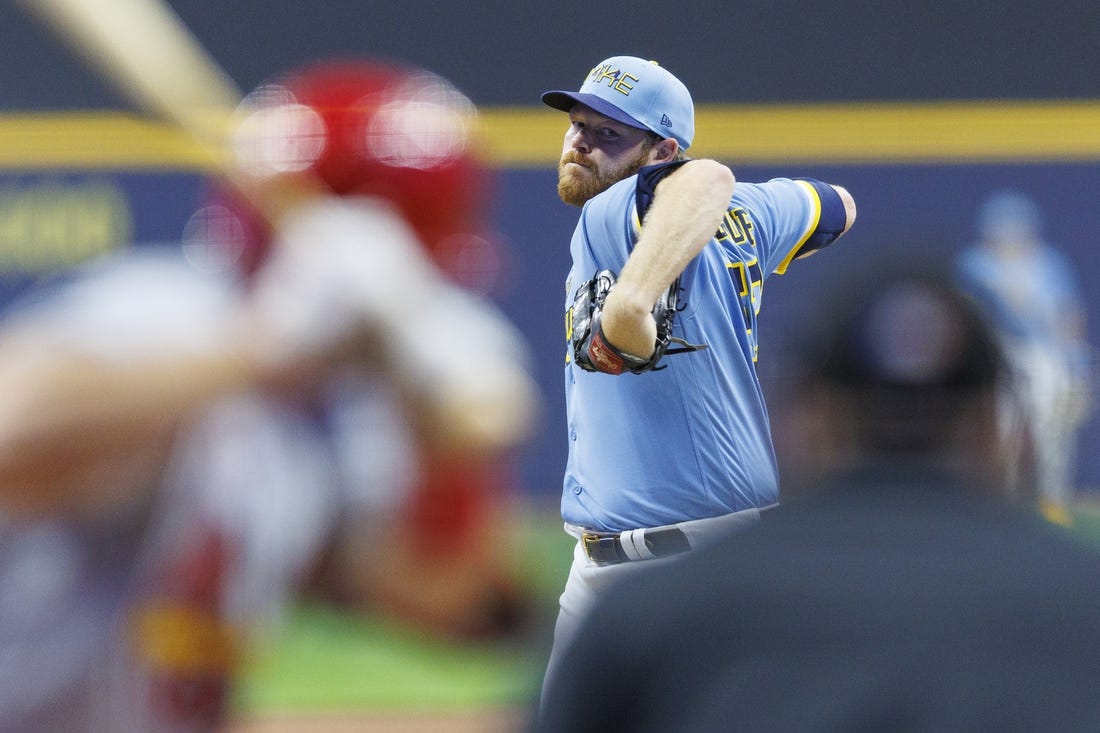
(531, 137)
(922, 133)
(107, 140)
(857, 133)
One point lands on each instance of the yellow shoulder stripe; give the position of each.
(815, 218)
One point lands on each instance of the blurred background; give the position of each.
(920, 110)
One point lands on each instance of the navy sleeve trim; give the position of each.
(648, 178)
(831, 222)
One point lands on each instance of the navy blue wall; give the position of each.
(902, 208)
(504, 53)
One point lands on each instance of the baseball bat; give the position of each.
(144, 49)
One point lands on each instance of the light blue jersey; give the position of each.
(691, 440)
(1028, 296)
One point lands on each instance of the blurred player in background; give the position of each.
(1028, 290)
(177, 437)
(421, 536)
(911, 590)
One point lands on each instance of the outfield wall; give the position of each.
(73, 186)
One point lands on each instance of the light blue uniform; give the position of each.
(692, 440)
(1027, 297)
(1029, 292)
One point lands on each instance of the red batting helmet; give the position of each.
(368, 127)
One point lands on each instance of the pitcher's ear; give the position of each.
(666, 150)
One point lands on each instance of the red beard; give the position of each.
(575, 187)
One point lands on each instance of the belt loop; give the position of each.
(633, 541)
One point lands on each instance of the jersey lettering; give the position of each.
(736, 228)
(748, 278)
(737, 232)
(737, 272)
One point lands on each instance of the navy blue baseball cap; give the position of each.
(635, 92)
(909, 331)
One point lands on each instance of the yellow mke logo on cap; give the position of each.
(616, 79)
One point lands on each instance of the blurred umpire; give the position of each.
(911, 590)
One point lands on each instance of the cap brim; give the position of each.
(565, 101)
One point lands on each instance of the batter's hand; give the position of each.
(347, 272)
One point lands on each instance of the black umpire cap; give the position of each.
(906, 349)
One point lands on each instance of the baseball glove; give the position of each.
(591, 349)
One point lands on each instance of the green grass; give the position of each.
(1086, 522)
(332, 660)
(326, 659)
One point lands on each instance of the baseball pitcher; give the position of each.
(669, 440)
